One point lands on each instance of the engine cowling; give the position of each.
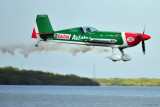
(126, 57)
(115, 57)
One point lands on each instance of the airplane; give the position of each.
(89, 36)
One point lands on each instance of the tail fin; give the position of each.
(43, 26)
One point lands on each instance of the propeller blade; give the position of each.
(143, 47)
(144, 29)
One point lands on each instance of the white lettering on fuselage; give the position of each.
(109, 35)
(80, 37)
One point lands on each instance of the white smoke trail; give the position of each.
(85, 49)
(27, 49)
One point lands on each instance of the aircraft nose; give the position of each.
(145, 37)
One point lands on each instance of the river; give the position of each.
(79, 96)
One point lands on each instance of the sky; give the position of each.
(17, 19)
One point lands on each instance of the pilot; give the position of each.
(88, 30)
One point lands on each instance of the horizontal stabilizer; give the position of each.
(35, 36)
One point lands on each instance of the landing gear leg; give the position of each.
(124, 57)
(114, 51)
(36, 45)
(122, 52)
(114, 57)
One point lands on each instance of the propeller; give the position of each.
(143, 47)
(143, 44)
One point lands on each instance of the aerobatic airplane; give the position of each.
(89, 36)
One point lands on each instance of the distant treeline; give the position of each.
(15, 76)
(128, 82)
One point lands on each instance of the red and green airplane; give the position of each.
(89, 36)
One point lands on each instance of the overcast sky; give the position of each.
(17, 19)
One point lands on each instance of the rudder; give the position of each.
(43, 26)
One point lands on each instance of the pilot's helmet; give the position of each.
(88, 30)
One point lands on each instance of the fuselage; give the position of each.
(93, 37)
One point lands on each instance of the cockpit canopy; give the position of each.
(88, 29)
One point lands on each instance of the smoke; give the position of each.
(27, 49)
(85, 49)
(81, 49)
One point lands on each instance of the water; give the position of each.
(79, 96)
